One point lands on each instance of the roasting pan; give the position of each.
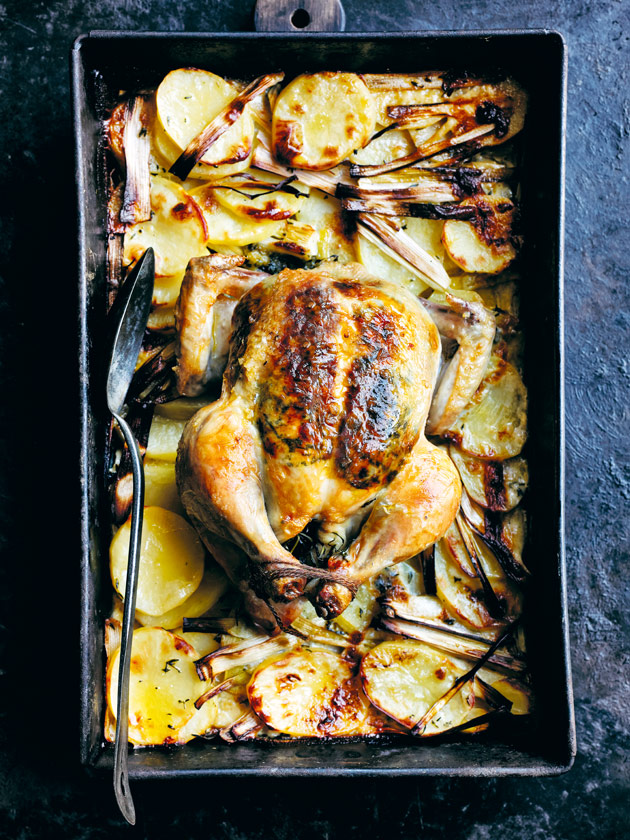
(103, 63)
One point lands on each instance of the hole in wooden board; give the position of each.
(300, 18)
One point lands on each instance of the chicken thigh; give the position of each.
(322, 414)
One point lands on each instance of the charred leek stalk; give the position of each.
(136, 206)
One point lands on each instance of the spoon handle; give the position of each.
(121, 779)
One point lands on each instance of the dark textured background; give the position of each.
(43, 793)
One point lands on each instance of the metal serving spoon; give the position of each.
(133, 305)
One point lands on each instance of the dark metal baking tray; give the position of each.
(103, 62)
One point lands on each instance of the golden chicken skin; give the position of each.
(322, 415)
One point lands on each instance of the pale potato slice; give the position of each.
(517, 693)
(160, 488)
(213, 585)
(391, 145)
(166, 153)
(188, 99)
(163, 686)
(309, 693)
(358, 615)
(166, 289)
(162, 318)
(404, 678)
(261, 204)
(171, 561)
(221, 711)
(379, 264)
(320, 118)
(176, 230)
(225, 227)
(496, 485)
(181, 409)
(486, 245)
(427, 233)
(324, 214)
(164, 437)
(494, 424)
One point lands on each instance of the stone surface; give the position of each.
(43, 793)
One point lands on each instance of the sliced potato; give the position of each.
(222, 710)
(227, 228)
(460, 593)
(320, 118)
(171, 561)
(457, 549)
(162, 318)
(496, 485)
(213, 585)
(485, 245)
(517, 693)
(164, 437)
(187, 100)
(176, 230)
(166, 153)
(335, 231)
(404, 678)
(494, 424)
(379, 264)
(181, 409)
(362, 609)
(160, 488)
(257, 203)
(166, 289)
(163, 686)
(309, 693)
(388, 146)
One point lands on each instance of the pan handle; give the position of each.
(299, 16)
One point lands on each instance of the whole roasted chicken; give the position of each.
(326, 392)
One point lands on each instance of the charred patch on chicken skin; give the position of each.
(247, 312)
(376, 434)
(297, 411)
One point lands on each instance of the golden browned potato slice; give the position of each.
(171, 561)
(163, 686)
(227, 228)
(213, 585)
(463, 593)
(176, 230)
(496, 485)
(494, 424)
(187, 100)
(404, 678)
(486, 245)
(460, 593)
(320, 118)
(257, 203)
(309, 693)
